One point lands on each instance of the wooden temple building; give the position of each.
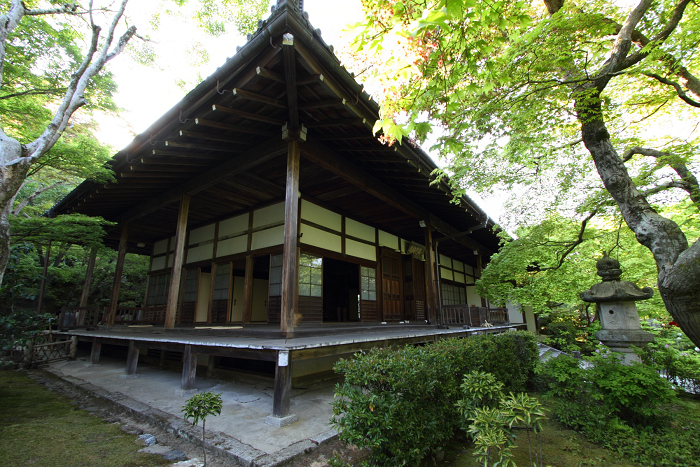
(268, 206)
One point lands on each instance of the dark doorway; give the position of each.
(341, 287)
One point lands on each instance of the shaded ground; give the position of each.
(46, 422)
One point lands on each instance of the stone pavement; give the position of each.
(239, 433)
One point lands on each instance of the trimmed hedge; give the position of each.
(400, 404)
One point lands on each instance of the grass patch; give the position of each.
(41, 428)
(563, 447)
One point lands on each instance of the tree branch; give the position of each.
(659, 38)
(579, 240)
(676, 86)
(688, 180)
(33, 196)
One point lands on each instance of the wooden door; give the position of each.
(203, 293)
(392, 302)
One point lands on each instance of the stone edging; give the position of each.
(218, 442)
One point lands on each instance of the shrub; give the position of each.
(400, 404)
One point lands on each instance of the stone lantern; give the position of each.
(617, 311)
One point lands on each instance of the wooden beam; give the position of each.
(232, 127)
(290, 76)
(132, 359)
(88, 277)
(199, 146)
(248, 289)
(290, 256)
(247, 115)
(283, 386)
(430, 283)
(187, 154)
(322, 104)
(121, 254)
(96, 351)
(324, 157)
(174, 291)
(269, 74)
(249, 159)
(313, 79)
(213, 137)
(189, 369)
(258, 98)
(336, 122)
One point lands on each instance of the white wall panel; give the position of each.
(459, 277)
(320, 238)
(446, 273)
(202, 234)
(158, 263)
(268, 237)
(160, 247)
(231, 246)
(234, 225)
(359, 230)
(200, 253)
(472, 297)
(360, 250)
(445, 261)
(388, 240)
(457, 265)
(321, 216)
(269, 215)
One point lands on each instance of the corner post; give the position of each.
(174, 290)
(430, 276)
(114, 302)
(281, 404)
(189, 369)
(88, 277)
(132, 361)
(290, 258)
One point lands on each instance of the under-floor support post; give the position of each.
(96, 351)
(189, 369)
(132, 360)
(281, 403)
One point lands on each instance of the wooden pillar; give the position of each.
(248, 290)
(290, 255)
(430, 284)
(121, 254)
(96, 351)
(132, 359)
(174, 291)
(42, 285)
(283, 386)
(189, 369)
(210, 366)
(88, 277)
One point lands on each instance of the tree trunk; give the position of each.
(678, 266)
(11, 179)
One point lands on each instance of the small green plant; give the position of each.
(492, 417)
(200, 406)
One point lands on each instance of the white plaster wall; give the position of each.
(268, 237)
(321, 216)
(234, 226)
(388, 240)
(360, 250)
(160, 247)
(202, 234)
(268, 215)
(320, 238)
(200, 253)
(231, 246)
(359, 230)
(158, 263)
(515, 316)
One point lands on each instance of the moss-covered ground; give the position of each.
(41, 428)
